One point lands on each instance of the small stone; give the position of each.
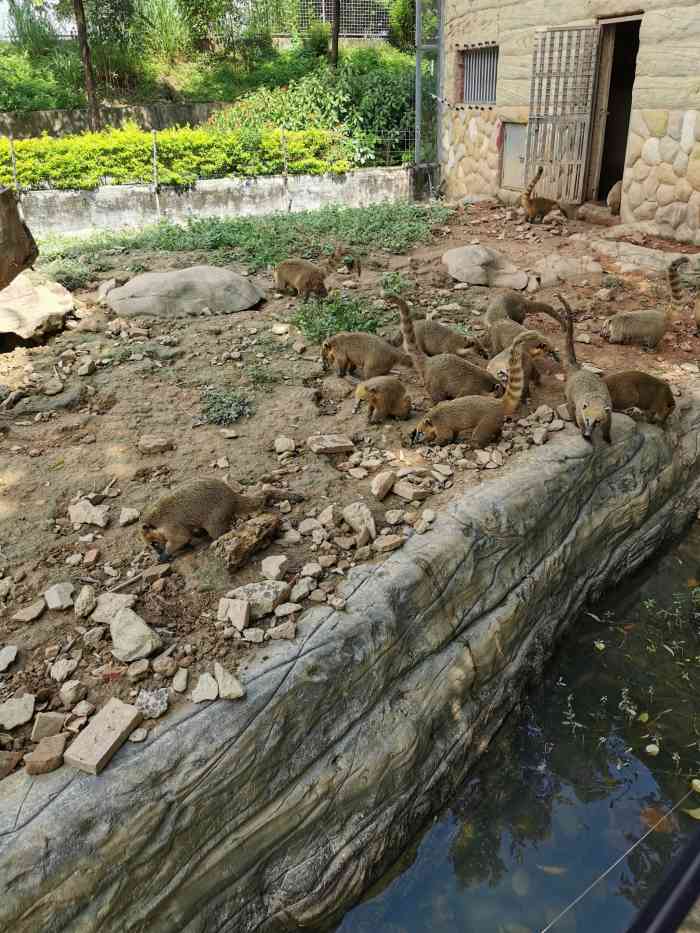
(273, 567)
(337, 602)
(428, 516)
(164, 665)
(128, 517)
(539, 436)
(154, 444)
(262, 597)
(482, 457)
(330, 517)
(308, 526)
(382, 484)
(74, 560)
(563, 412)
(409, 492)
(16, 712)
(87, 368)
(103, 735)
(358, 473)
(360, 519)
(327, 561)
(31, 612)
(287, 609)
(317, 596)
(235, 611)
(47, 756)
(299, 346)
(47, 724)
(291, 537)
(61, 670)
(53, 387)
(179, 683)
(443, 469)
(302, 590)
(284, 445)
(286, 631)
(91, 557)
(604, 294)
(71, 692)
(139, 735)
(385, 543)
(132, 639)
(311, 570)
(544, 414)
(556, 425)
(230, 688)
(8, 654)
(8, 763)
(695, 785)
(344, 542)
(153, 703)
(59, 596)
(394, 516)
(256, 635)
(330, 444)
(206, 689)
(85, 602)
(94, 635)
(421, 527)
(84, 512)
(84, 708)
(137, 670)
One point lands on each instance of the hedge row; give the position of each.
(184, 155)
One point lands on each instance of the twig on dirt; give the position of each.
(134, 579)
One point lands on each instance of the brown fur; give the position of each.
(484, 417)
(208, 505)
(434, 338)
(676, 286)
(303, 276)
(503, 330)
(645, 327)
(634, 389)
(536, 207)
(515, 306)
(587, 396)
(386, 398)
(498, 366)
(354, 350)
(446, 375)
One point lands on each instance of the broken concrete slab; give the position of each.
(33, 307)
(103, 736)
(47, 756)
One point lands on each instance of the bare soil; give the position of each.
(47, 461)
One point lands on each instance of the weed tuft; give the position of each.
(322, 317)
(225, 406)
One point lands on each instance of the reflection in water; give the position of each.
(567, 786)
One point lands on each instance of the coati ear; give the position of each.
(608, 408)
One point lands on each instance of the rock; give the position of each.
(480, 265)
(84, 512)
(385, 543)
(71, 692)
(47, 724)
(128, 517)
(132, 639)
(61, 670)
(84, 708)
(554, 268)
(263, 597)
(154, 444)
(330, 517)
(184, 293)
(236, 547)
(409, 492)
(30, 612)
(556, 425)
(179, 683)
(59, 596)
(273, 567)
(544, 414)
(152, 703)
(394, 516)
(47, 756)
(256, 635)
(33, 307)
(428, 516)
(18, 249)
(443, 469)
(8, 763)
(291, 537)
(288, 609)
(302, 589)
(604, 294)
(54, 386)
(382, 484)
(94, 635)
(235, 611)
(308, 526)
(103, 289)
(164, 665)
(139, 735)
(360, 519)
(286, 631)
(8, 654)
(312, 569)
(16, 712)
(284, 445)
(85, 604)
(110, 604)
(230, 688)
(330, 444)
(103, 735)
(206, 689)
(563, 412)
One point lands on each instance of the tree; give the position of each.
(94, 121)
(18, 251)
(335, 34)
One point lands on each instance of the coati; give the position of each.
(371, 355)
(434, 338)
(634, 389)
(448, 421)
(385, 396)
(644, 327)
(503, 331)
(446, 375)
(303, 276)
(208, 505)
(498, 366)
(674, 281)
(536, 207)
(587, 396)
(508, 304)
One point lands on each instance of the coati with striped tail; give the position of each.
(434, 338)
(498, 366)
(446, 375)
(484, 417)
(355, 350)
(645, 327)
(503, 330)
(514, 306)
(386, 397)
(634, 389)
(674, 281)
(587, 396)
(536, 207)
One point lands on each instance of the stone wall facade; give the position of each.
(662, 172)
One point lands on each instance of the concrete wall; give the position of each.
(119, 206)
(662, 177)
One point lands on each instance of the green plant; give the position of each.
(27, 83)
(321, 317)
(225, 406)
(30, 27)
(165, 33)
(201, 16)
(71, 273)
(393, 283)
(261, 374)
(402, 24)
(316, 40)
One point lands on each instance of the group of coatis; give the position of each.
(474, 386)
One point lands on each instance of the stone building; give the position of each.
(596, 92)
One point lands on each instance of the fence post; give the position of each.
(154, 153)
(283, 140)
(13, 160)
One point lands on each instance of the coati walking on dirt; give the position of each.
(536, 207)
(634, 389)
(587, 396)
(676, 286)
(484, 417)
(386, 397)
(498, 366)
(367, 353)
(503, 330)
(446, 375)
(516, 307)
(303, 276)
(645, 327)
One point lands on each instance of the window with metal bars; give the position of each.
(480, 68)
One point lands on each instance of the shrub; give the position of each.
(402, 24)
(71, 273)
(29, 85)
(319, 318)
(224, 406)
(316, 40)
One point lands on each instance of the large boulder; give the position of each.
(33, 307)
(479, 265)
(18, 251)
(614, 198)
(184, 293)
(553, 269)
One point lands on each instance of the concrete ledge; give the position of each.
(275, 813)
(114, 207)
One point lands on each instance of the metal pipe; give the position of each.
(419, 81)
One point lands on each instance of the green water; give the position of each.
(567, 787)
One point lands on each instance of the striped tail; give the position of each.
(674, 278)
(516, 371)
(409, 334)
(541, 307)
(535, 178)
(568, 325)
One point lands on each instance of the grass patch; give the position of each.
(393, 283)
(261, 374)
(225, 406)
(69, 272)
(322, 317)
(265, 241)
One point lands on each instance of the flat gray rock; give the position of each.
(554, 269)
(184, 293)
(34, 306)
(480, 265)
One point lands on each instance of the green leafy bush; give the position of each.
(402, 24)
(27, 84)
(71, 273)
(319, 318)
(316, 40)
(225, 406)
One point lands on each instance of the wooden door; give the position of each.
(562, 93)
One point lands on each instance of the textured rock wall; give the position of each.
(272, 814)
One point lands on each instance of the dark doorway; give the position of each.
(626, 46)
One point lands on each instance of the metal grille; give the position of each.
(562, 91)
(358, 18)
(480, 75)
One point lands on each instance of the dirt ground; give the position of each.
(152, 386)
